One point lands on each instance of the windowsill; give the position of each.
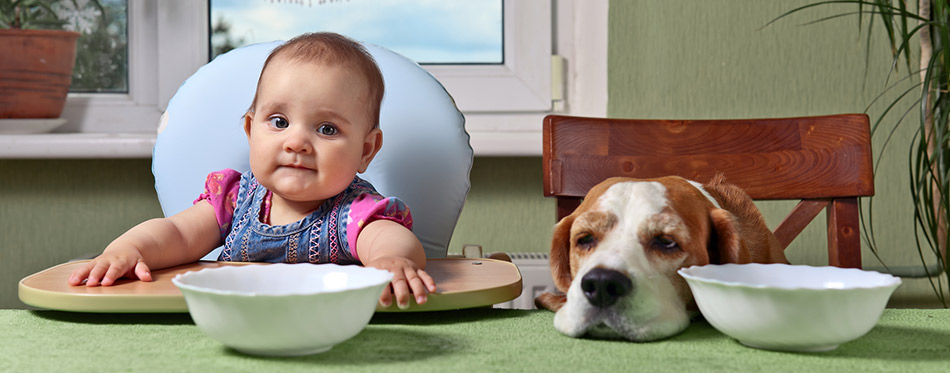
(139, 145)
(77, 145)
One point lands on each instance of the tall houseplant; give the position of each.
(925, 24)
(38, 39)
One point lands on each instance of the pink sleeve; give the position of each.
(371, 207)
(221, 191)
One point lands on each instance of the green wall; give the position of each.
(667, 59)
(683, 59)
(505, 210)
(52, 211)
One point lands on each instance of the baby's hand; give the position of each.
(107, 268)
(407, 278)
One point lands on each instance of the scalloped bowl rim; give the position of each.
(702, 273)
(182, 280)
(770, 306)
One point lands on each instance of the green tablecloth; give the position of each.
(467, 340)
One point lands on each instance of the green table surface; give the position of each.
(905, 340)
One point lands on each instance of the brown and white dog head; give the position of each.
(615, 258)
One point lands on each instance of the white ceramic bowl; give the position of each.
(790, 307)
(282, 309)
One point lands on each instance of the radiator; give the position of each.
(536, 279)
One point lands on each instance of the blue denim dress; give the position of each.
(318, 238)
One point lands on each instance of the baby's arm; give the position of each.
(158, 243)
(388, 245)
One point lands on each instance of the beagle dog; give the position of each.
(615, 258)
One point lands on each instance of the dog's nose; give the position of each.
(603, 287)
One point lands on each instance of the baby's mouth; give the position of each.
(298, 166)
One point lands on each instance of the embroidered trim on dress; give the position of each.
(313, 253)
(292, 250)
(334, 243)
(227, 253)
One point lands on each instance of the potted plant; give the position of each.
(912, 27)
(38, 40)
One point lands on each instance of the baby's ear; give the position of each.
(248, 118)
(371, 145)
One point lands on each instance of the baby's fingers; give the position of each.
(122, 268)
(80, 274)
(386, 299)
(114, 273)
(142, 272)
(416, 283)
(99, 269)
(400, 287)
(427, 280)
(107, 271)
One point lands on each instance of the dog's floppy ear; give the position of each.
(550, 301)
(740, 227)
(726, 244)
(560, 262)
(560, 258)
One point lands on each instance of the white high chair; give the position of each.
(425, 159)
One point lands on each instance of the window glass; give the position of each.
(426, 31)
(102, 50)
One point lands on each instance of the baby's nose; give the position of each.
(298, 142)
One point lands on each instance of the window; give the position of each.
(503, 102)
(428, 32)
(102, 48)
(114, 79)
(514, 75)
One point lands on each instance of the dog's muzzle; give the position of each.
(603, 287)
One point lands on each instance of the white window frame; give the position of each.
(503, 104)
(138, 110)
(521, 83)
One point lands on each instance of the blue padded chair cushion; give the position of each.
(425, 159)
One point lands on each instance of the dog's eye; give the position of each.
(586, 241)
(665, 244)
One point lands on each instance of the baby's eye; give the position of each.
(327, 129)
(278, 122)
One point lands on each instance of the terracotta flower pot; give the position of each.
(35, 72)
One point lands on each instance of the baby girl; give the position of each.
(313, 125)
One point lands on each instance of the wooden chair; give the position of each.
(823, 161)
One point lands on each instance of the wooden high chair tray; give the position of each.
(461, 283)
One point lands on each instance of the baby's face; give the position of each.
(310, 131)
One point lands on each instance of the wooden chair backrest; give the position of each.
(823, 161)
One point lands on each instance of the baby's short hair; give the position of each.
(336, 50)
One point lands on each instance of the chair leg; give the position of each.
(844, 234)
(798, 219)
